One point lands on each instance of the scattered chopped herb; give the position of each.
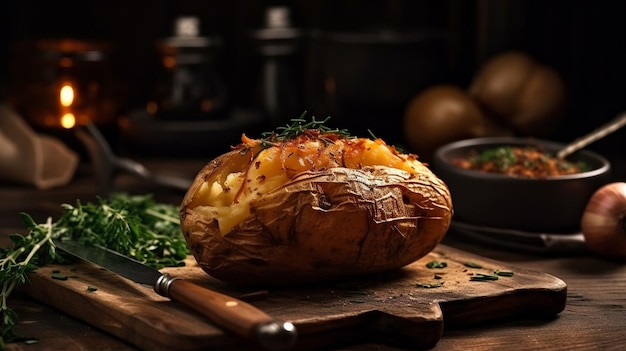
(480, 277)
(59, 276)
(31, 341)
(472, 265)
(436, 264)
(503, 273)
(136, 226)
(91, 288)
(429, 285)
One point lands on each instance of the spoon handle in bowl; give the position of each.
(597, 134)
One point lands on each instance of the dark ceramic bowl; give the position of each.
(553, 204)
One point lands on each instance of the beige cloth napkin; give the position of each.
(32, 158)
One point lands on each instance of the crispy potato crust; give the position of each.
(321, 225)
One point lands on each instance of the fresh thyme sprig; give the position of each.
(299, 126)
(135, 226)
(27, 253)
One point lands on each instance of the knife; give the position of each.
(227, 312)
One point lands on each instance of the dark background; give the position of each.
(585, 41)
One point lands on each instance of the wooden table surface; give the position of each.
(594, 317)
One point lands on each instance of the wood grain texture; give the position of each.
(389, 308)
(593, 319)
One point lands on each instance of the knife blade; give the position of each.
(227, 312)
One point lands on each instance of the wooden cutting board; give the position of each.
(404, 308)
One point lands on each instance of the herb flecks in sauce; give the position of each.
(526, 161)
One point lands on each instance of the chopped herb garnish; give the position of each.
(436, 264)
(503, 273)
(429, 285)
(472, 265)
(59, 276)
(91, 288)
(297, 127)
(357, 301)
(480, 277)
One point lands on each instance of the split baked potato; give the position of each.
(312, 204)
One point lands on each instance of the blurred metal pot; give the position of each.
(365, 79)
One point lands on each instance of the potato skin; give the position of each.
(322, 226)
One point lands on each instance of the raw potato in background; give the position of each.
(311, 207)
(511, 94)
(440, 115)
(522, 93)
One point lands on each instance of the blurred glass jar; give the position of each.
(188, 85)
(61, 83)
(278, 45)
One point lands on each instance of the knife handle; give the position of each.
(229, 313)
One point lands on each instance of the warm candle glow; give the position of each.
(152, 107)
(169, 62)
(68, 120)
(66, 95)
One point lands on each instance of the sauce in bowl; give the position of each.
(519, 161)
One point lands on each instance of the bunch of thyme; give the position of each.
(135, 226)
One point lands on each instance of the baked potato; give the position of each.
(312, 204)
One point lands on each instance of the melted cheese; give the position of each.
(229, 201)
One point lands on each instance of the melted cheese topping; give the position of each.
(229, 201)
